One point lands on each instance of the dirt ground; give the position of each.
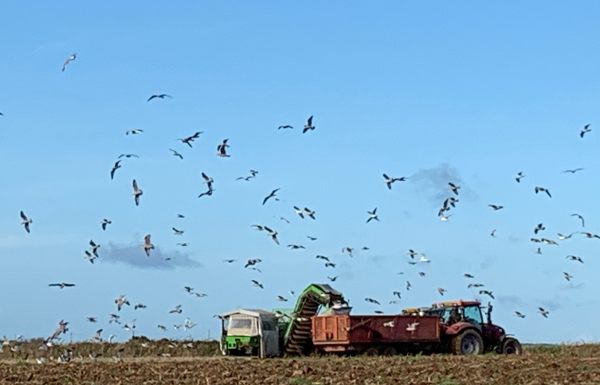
(543, 366)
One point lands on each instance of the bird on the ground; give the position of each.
(121, 301)
(585, 130)
(271, 195)
(575, 258)
(567, 276)
(371, 300)
(148, 245)
(573, 171)
(284, 127)
(309, 125)
(177, 309)
(177, 231)
(519, 314)
(332, 279)
(539, 227)
(137, 193)
(519, 176)
(175, 153)
(105, 222)
(189, 139)
(61, 285)
(158, 96)
(70, 59)
(391, 180)
(257, 284)
(25, 221)
(453, 187)
(580, 218)
(134, 131)
(372, 215)
(496, 207)
(115, 167)
(222, 149)
(543, 312)
(539, 189)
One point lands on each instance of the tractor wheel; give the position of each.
(468, 342)
(389, 351)
(371, 352)
(511, 346)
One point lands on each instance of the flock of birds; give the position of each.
(415, 258)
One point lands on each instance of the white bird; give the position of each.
(148, 244)
(71, 58)
(137, 193)
(120, 301)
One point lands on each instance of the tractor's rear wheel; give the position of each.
(389, 351)
(371, 352)
(468, 342)
(511, 345)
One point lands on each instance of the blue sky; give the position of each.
(466, 92)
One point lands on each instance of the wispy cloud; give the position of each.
(134, 256)
(433, 183)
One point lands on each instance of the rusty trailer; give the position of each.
(375, 334)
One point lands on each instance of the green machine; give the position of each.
(270, 334)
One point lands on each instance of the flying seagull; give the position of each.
(271, 195)
(120, 301)
(391, 180)
(148, 245)
(519, 176)
(175, 153)
(496, 207)
(575, 258)
(134, 131)
(95, 248)
(372, 215)
(177, 231)
(309, 125)
(257, 284)
(567, 276)
(371, 300)
(539, 227)
(72, 57)
(538, 189)
(159, 96)
(519, 314)
(584, 130)
(573, 170)
(61, 285)
(25, 221)
(580, 218)
(272, 234)
(543, 312)
(189, 139)
(137, 193)
(284, 127)
(222, 149)
(453, 187)
(116, 166)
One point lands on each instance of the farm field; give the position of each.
(538, 365)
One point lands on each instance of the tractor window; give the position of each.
(473, 314)
(240, 323)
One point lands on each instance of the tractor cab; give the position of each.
(250, 332)
(460, 315)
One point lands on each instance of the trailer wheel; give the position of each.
(467, 343)
(511, 345)
(389, 351)
(371, 352)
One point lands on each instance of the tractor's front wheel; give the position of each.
(511, 345)
(468, 342)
